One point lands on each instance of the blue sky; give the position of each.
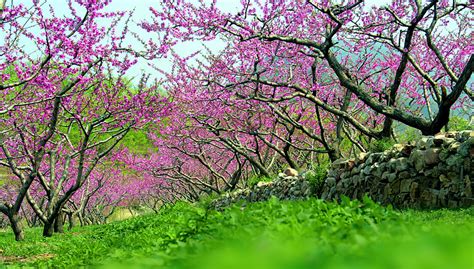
(142, 13)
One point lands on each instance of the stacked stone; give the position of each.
(284, 188)
(434, 172)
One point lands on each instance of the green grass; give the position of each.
(272, 234)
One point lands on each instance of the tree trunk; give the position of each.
(81, 219)
(72, 223)
(333, 155)
(48, 228)
(16, 226)
(387, 128)
(59, 223)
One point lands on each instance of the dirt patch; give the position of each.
(20, 259)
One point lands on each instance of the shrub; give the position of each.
(252, 181)
(381, 145)
(459, 124)
(316, 176)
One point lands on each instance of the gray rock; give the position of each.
(345, 183)
(468, 187)
(448, 141)
(454, 160)
(366, 170)
(452, 204)
(392, 164)
(417, 159)
(253, 197)
(395, 185)
(387, 191)
(435, 177)
(267, 192)
(401, 164)
(332, 173)
(442, 197)
(377, 170)
(454, 176)
(345, 174)
(404, 175)
(357, 169)
(342, 164)
(330, 181)
(429, 198)
(433, 172)
(290, 172)
(444, 154)
(431, 156)
(464, 135)
(444, 179)
(374, 157)
(414, 191)
(435, 142)
(405, 185)
(467, 202)
(466, 148)
(391, 177)
(361, 157)
(354, 171)
(421, 143)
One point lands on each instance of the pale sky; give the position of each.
(142, 13)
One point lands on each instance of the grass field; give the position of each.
(273, 234)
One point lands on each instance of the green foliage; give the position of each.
(345, 145)
(407, 134)
(271, 234)
(381, 145)
(459, 124)
(137, 141)
(252, 181)
(317, 175)
(206, 201)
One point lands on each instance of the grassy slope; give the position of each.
(273, 234)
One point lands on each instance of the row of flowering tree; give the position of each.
(105, 190)
(213, 142)
(408, 61)
(65, 104)
(301, 79)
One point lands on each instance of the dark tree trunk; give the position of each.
(70, 217)
(49, 225)
(387, 128)
(16, 226)
(441, 120)
(59, 223)
(48, 228)
(333, 155)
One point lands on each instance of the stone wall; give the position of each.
(434, 172)
(284, 188)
